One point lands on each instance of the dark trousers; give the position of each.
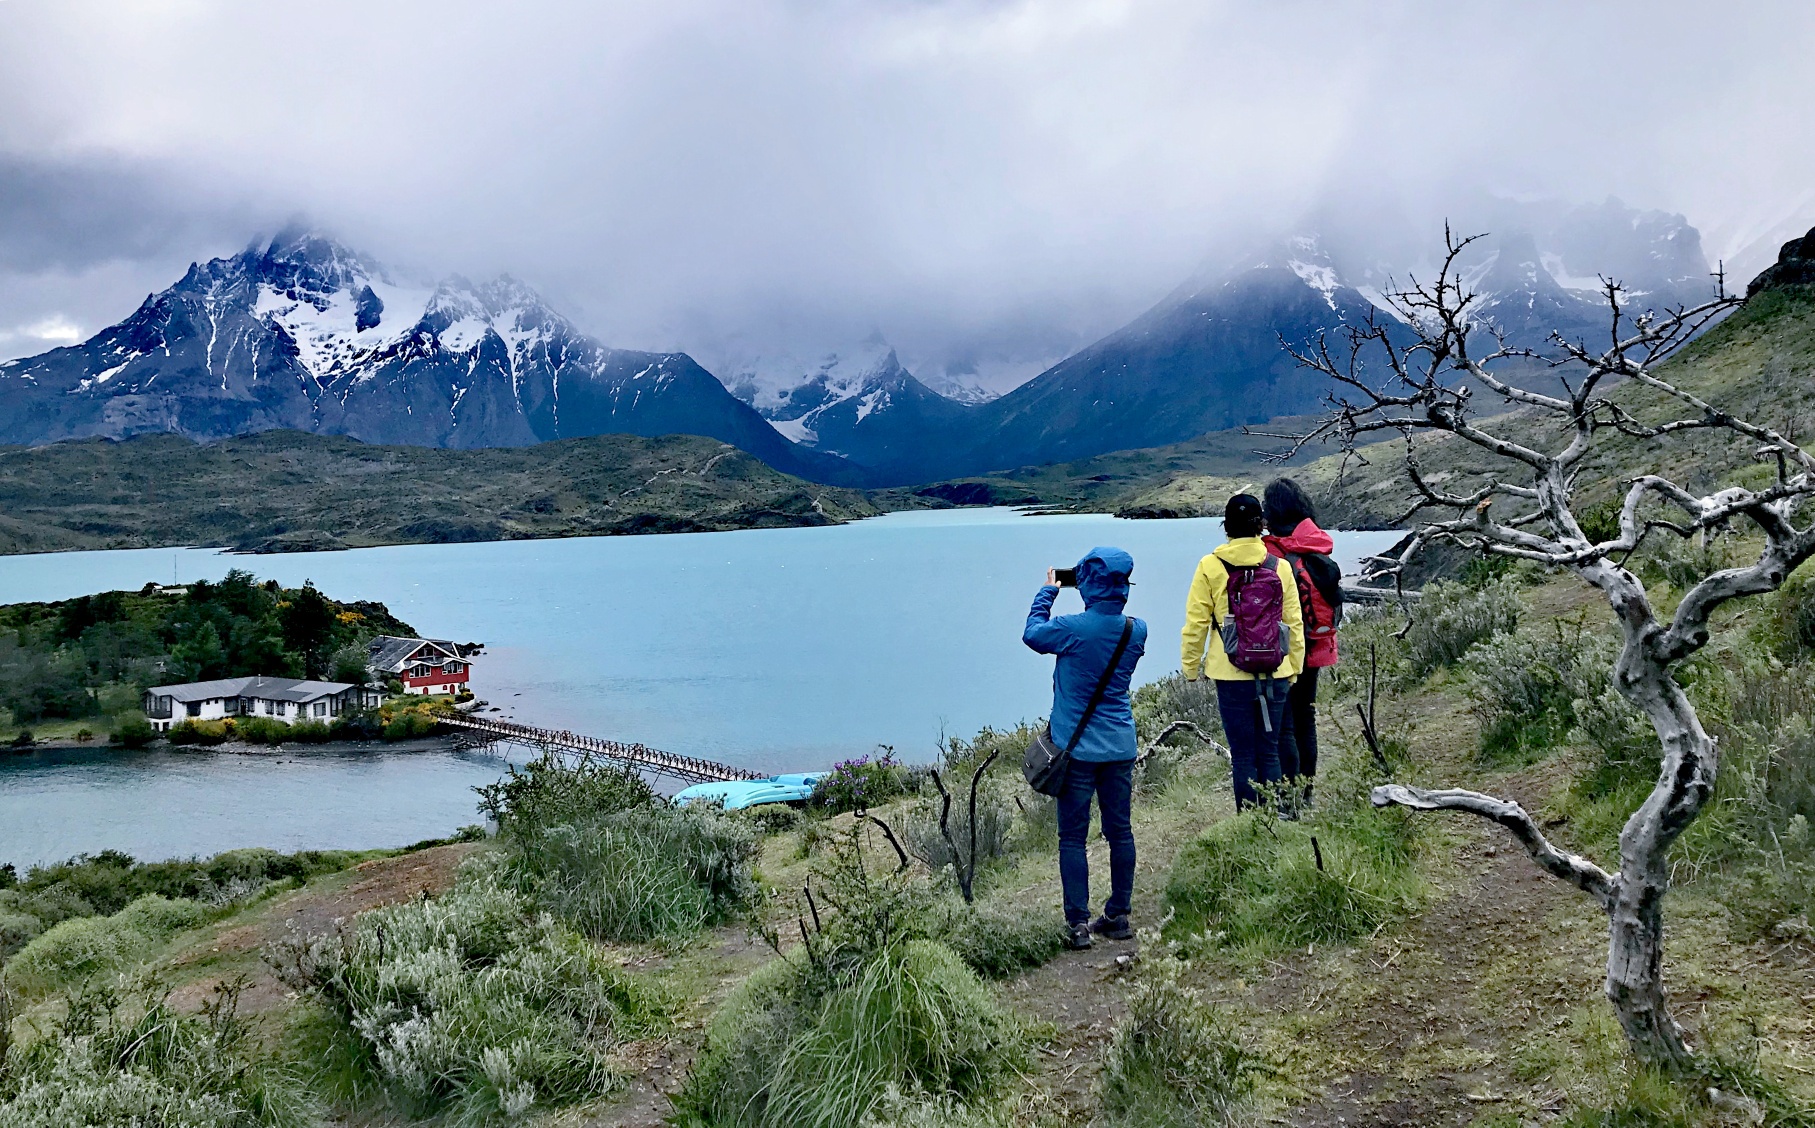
(1298, 738)
(1113, 786)
(1253, 746)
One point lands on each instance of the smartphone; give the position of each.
(1067, 577)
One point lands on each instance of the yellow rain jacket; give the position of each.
(1209, 601)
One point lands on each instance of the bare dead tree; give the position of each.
(1521, 506)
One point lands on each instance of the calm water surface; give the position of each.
(779, 649)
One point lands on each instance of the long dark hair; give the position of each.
(1286, 504)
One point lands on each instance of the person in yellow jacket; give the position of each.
(1252, 704)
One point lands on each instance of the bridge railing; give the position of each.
(690, 768)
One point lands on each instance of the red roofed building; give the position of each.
(423, 665)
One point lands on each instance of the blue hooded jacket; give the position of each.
(1083, 644)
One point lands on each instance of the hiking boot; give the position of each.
(1112, 928)
(1080, 938)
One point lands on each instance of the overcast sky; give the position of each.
(1002, 181)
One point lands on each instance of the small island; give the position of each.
(209, 663)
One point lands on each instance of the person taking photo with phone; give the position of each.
(1097, 651)
(1245, 631)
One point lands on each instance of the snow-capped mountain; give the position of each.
(305, 334)
(796, 392)
(1208, 356)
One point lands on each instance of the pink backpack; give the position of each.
(1255, 636)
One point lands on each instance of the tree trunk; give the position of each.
(1635, 941)
(1635, 977)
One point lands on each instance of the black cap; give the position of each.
(1242, 516)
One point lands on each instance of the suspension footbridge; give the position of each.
(639, 756)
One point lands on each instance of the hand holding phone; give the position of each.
(1064, 577)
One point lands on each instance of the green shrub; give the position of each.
(144, 1063)
(1793, 618)
(920, 833)
(408, 726)
(998, 940)
(104, 884)
(959, 758)
(853, 785)
(1172, 698)
(1174, 1062)
(203, 733)
(771, 818)
(1525, 686)
(132, 732)
(1449, 618)
(471, 1004)
(1683, 563)
(634, 875)
(595, 846)
(547, 793)
(75, 951)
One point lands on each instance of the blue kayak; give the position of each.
(738, 794)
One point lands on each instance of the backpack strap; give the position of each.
(1096, 695)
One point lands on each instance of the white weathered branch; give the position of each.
(1573, 868)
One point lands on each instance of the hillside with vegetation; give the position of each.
(282, 491)
(81, 665)
(603, 959)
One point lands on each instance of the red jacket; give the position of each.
(1320, 618)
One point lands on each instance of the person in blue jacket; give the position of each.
(1102, 761)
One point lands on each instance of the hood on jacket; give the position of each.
(1306, 537)
(1103, 578)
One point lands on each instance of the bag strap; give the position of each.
(1096, 696)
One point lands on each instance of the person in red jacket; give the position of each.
(1293, 536)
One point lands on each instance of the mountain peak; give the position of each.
(1795, 266)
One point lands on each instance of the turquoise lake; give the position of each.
(782, 650)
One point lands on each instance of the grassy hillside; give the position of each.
(286, 491)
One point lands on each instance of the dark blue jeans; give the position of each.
(1113, 785)
(1298, 739)
(1253, 746)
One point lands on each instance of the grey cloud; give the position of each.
(988, 184)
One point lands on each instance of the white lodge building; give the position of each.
(281, 699)
(423, 665)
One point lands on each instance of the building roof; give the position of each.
(391, 653)
(268, 689)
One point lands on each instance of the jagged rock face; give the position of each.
(304, 334)
(1795, 266)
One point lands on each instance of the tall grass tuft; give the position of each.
(868, 1006)
(1174, 1061)
(137, 1061)
(792, 1049)
(1254, 881)
(470, 1005)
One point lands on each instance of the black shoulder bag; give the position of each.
(1044, 763)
